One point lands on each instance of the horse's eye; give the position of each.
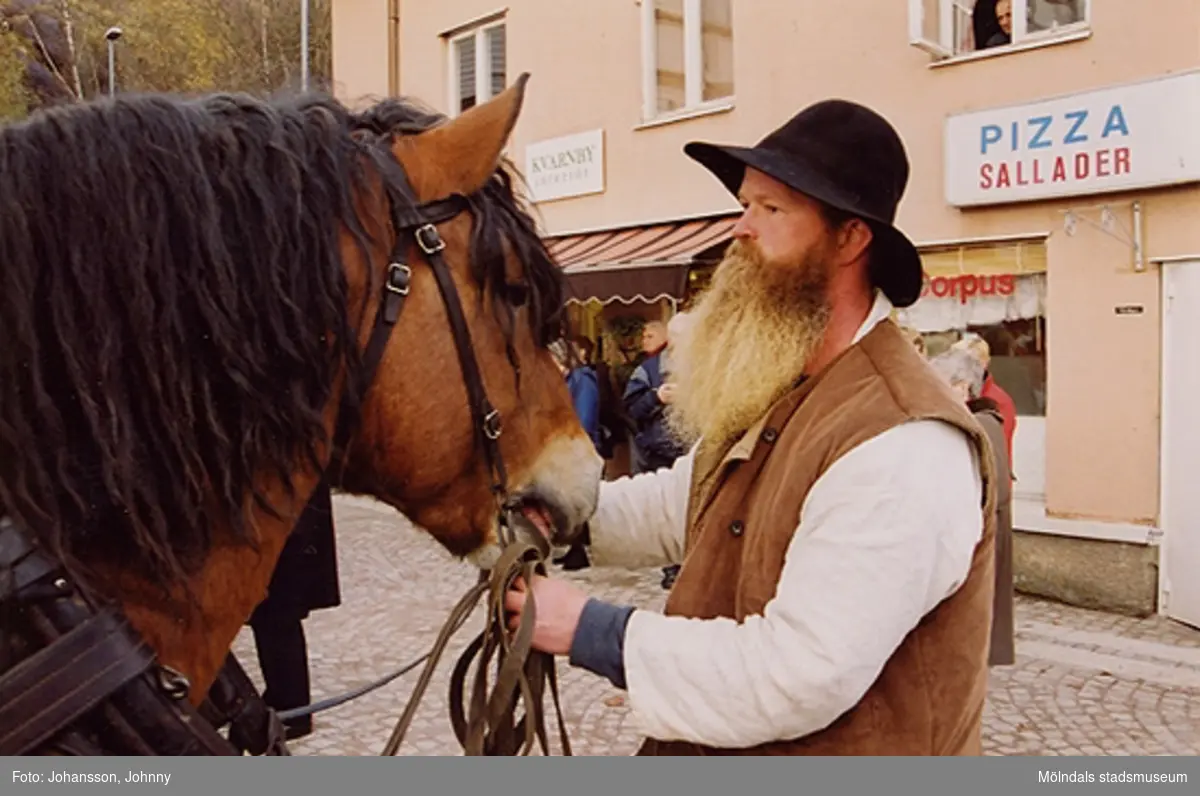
(517, 294)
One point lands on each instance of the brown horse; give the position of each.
(190, 286)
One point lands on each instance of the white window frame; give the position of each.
(943, 46)
(693, 66)
(483, 64)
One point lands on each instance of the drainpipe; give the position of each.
(393, 48)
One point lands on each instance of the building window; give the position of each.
(477, 66)
(948, 28)
(997, 291)
(1018, 358)
(687, 55)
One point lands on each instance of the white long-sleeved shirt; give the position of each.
(884, 535)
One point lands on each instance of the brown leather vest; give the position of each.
(744, 504)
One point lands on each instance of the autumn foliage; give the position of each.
(54, 51)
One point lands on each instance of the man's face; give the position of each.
(782, 224)
(752, 333)
(654, 337)
(1004, 15)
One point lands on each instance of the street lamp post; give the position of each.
(111, 35)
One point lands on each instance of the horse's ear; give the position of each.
(461, 155)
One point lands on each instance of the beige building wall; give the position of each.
(1101, 439)
(360, 49)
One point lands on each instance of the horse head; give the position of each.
(193, 286)
(416, 448)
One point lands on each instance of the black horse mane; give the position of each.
(174, 309)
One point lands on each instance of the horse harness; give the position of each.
(88, 684)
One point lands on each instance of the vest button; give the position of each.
(737, 527)
(770, 435)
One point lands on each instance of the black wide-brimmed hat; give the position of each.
(846, 156)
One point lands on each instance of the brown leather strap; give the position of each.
(253, 726)
(61, 682)
(487, 727)
(148, 712)
(458, 616)
(21, 563)
(171, 727)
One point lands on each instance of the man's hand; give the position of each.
(666, 393)
(559, 605)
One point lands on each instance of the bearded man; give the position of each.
(835, 519)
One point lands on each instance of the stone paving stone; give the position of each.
(398, 585)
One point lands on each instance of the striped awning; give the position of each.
(643, 263)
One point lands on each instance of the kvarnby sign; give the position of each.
(1116, 139)
(572, 165)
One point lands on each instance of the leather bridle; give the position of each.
(43, 697)
(486, 726)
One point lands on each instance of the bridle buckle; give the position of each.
(399, 278)
(429, 240)
(491, 425)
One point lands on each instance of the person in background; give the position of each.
(305, 579)
(676, 329)
(647, 395)
(584, 387)
(991, 23)
(611, 418)
(964, 372)
(1007, 408)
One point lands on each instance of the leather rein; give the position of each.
(129, 703)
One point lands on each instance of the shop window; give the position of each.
(687, 56)
(1018, 358)
(478, 67)
(1019, 362)
(998, 291)
(948, 28)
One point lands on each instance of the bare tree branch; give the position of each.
(69, 29)
(49, 58)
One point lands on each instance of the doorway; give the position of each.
(1180, 439)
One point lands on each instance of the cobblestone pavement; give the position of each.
(1084, 683)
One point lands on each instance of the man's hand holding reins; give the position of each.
(559, 605)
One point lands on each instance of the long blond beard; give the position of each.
(748, 340)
